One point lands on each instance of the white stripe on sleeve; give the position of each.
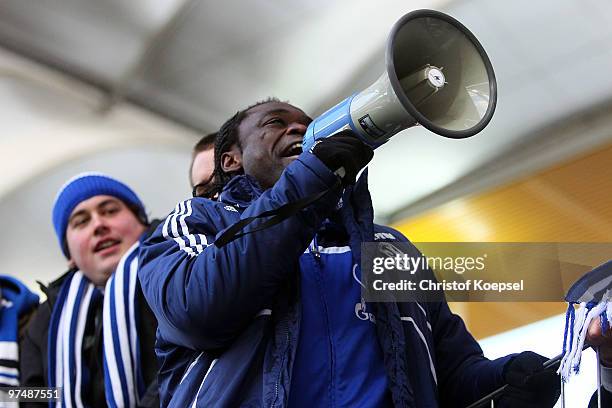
(195, 400)
(431, 364)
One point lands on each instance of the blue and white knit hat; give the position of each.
(82, 187)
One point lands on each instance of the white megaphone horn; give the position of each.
(437, 75)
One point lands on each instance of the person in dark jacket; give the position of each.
(273, 317)
(94, 335)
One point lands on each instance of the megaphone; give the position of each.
(437, 75)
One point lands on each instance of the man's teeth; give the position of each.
(295, 148)
(106, 244)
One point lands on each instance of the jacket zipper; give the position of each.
(319, 266)
(281, 370)
(314, 249)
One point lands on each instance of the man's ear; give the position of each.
(231, 160)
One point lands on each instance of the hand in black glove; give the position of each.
(529, 384)
(344, 154)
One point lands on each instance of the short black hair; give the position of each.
(227, 136)
(139, 213)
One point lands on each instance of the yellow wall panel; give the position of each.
(570, 202)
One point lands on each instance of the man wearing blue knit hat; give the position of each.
(94, 335)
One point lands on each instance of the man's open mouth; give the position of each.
(294, 149)
(107, 243)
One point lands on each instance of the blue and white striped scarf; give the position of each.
(15, 301)
(123, 380)
(592, 293)
(576, 328)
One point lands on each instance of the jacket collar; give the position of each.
(355, 209)
(241, 191)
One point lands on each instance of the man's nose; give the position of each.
(99, 224)
(297, 128)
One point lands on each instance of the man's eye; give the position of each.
(110, 210)
(275, 121)
(78, 222)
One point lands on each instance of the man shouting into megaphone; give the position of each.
(269, 318)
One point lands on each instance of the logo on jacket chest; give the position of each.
(230, 208)
(362, 313)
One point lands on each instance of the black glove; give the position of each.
(344, 150)
(529, 384)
